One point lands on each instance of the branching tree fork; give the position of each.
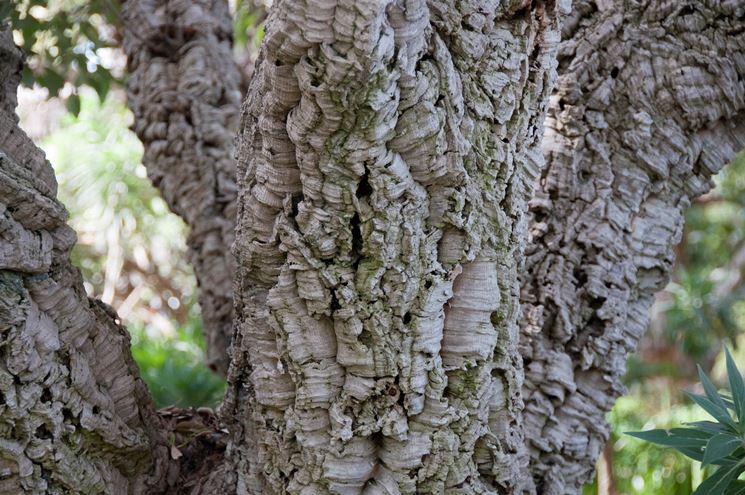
(447, 220)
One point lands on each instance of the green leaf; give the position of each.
(100, 80)
(737, 387)
(728, 401)
(89, 31)
(736, 488)
(718, 412)
(709, 426)
(29, 27)
(674, 437)
(73, 104)
(51, 80)
(27, 77)
(4, 12)
(719, 447)
(691, 434)
(696, 454)
(687, 441)
(717, 483)
(711, 390)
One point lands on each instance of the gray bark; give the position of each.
(649, 104)
(386, 154)
(75, 417)
(183, 88)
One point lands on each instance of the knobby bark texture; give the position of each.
(387, 151)
(649, 104)
(183, 88)
(75, 417)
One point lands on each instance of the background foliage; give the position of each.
(718, 445)
(69, 44)
(131, 249)
(72, 44)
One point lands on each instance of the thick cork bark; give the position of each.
(649, 104)
(386, 155)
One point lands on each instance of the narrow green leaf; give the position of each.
(697, 454)
(736, 488)
(669, 439)
(710, 389)
(718, 412)
(728, 401)
(692, 433)
(687, 441)
(719, 447)
(737, 387)
(717, 483)
(708, 426)
(73, 104)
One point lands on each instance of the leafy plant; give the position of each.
(174, 367)
(632, 467)
(74, 43)
(719, 443)
(67, 41)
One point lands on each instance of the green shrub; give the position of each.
(173, 367)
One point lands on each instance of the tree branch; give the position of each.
(183, 88)
(75, 415)
(648, 105)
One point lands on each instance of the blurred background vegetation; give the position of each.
(131, 249)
